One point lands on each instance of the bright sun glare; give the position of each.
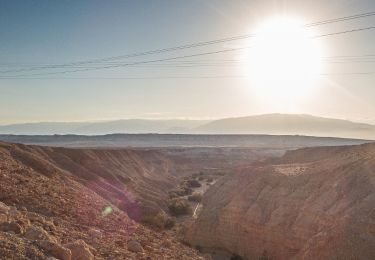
(284, 60)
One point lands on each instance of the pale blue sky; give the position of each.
(35, 33)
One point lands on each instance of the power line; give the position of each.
(135, 63)
(182, 47)
(214, 60)
(180, 57)
(176, 77)
(347, 31)
(347, 18)
(363, 57)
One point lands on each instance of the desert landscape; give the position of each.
(187, 130)
(162, 203)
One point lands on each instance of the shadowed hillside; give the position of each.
(313, 203)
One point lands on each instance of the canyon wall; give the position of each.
(313, 203)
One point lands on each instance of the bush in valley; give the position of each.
(173, 194)
(196, 197)
(193, 184)
(180, 206)
(200, 178)
(182, 191)
(161, 221)
(209, 180)
(236, 257)
(169, 223)
(197, 175)
(187, 191)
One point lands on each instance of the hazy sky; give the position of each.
(40, 33)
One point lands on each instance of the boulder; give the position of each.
(55, 250)
(38, 233)
(11, 227)
(80, 250)
(34, 217)
(134, 246)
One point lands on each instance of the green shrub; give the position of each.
(170, 222)
(161, 221)
(182, 191)
(193, 184)
(179, 206)
(196, 197)
(187, 191)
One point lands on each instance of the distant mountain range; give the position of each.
(130, 126)
(289, 124)
(273, 124)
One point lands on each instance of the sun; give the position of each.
(284, 60)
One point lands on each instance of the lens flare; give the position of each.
(107, 211)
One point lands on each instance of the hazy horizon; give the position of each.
(185, 119)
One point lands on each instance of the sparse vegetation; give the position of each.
(196, 197)
(193, 183)
(182, 191)
(180, 206)
(161, 221)
(236, 257)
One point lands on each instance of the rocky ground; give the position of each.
(46, 213)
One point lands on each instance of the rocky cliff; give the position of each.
(134, 180)
(66, 204)
(313, 203)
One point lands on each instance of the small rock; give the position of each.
(24, 223)
(55, 250)
(166, 243)
(11, 227)
(134, 246)
(37, 233)
(95, 233)
(3, 218)
(13, 211)
(4, 209)
(34, 217)
(80, 250)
